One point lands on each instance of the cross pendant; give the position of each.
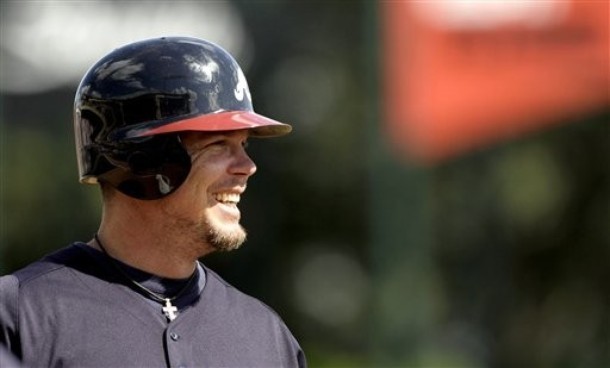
(169, 310)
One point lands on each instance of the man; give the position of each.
(162, 126)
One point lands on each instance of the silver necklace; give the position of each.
(169, 310)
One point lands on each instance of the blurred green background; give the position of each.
(496, 258)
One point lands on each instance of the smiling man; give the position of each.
(161, 125)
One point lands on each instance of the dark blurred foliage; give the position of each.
(522, 245)
(495, 259)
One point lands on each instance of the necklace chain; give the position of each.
(155, 296)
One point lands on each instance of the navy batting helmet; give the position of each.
(131, 105)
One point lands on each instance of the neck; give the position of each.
(135, 236)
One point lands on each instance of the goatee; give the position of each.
(224, 239)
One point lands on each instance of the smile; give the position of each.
(227, 198)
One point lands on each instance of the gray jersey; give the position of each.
(71, 310)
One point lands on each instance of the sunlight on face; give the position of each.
(207, 202)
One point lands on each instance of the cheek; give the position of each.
(192, 195)
(197, 188)
(196, 194)
(206, 170)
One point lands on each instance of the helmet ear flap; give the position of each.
(141, 162)
(149, 170)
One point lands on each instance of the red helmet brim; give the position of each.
(260, 126)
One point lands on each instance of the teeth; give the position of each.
(231, 198)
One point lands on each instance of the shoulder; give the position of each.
(242, 308)
(42, 274)
(227, 302)
(16, 287)
(47, 265)
(223, 291)
(244, 317)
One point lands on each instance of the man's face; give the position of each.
(205, 205)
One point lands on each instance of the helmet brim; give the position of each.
(258, 125)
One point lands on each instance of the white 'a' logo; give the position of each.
(241, 88)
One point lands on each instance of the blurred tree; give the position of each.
(43, 206)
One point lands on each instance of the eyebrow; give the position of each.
(202, 138)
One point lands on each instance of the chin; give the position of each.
(226, 237)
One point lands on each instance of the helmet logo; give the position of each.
(241, 89)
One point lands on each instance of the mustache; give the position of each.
(238, 185)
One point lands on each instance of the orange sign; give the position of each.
(461, 75)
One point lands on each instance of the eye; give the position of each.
(218, 142)
(199, 148)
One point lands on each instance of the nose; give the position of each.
(242, 164)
